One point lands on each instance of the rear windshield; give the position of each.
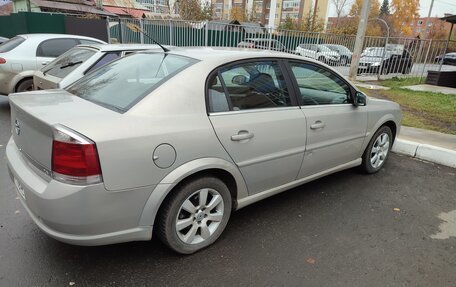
(11, 44)
(119, 85)
(68, 62)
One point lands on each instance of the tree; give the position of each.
(405, 13)
(374, 11)
(238, 13)
(192, 10)
(311, 23)
(384, 9)
(340, 6)
(373, 27)
(289, 24)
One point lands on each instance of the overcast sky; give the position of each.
(440, 7)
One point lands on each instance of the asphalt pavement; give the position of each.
(393, 228)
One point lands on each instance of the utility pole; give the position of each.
(359, 39)
(426, 32)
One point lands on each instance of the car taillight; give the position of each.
(74, 158)
(2, 61)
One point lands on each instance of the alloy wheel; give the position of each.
(199, 216)
(380, 150)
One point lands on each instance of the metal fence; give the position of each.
(383, 57)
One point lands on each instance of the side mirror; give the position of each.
(359, 99)
(239, 80)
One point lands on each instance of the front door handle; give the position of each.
(242, 135)
(44, 63)
(317, 125)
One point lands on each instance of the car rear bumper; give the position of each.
(80, 215)
(5, 83)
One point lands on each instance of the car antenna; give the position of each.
(135, 28)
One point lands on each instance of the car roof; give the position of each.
(51, 36)
(226, 55)
(259, 39)
(119, 47)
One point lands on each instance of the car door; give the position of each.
(335, 128)
(50, 49)
(258, 122)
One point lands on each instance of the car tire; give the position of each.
(343, 61)
(188, 235)
(25, 86)
(377, 151)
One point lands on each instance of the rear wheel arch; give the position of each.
(225, 171)
(21, 81)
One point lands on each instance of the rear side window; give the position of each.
(68, 62)
(119, 85)
(11, 44)
(248, 85)
(88, 42)
(55, 47)
(107, 58)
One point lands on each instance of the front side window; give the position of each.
(318, 86)
(119, 85)
(249, 85)
(55, 47)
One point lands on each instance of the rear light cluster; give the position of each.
(74, 158)
(2, 60)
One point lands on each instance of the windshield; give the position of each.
(339, 48)
(11, 44)
(324, 49)
(68, 62)
(119, 85)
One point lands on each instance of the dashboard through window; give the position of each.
(248, 85)
(318, 86)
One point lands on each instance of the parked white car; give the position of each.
(24, 54)
(318, 52)
(79, 61)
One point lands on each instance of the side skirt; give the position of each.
(265, 194)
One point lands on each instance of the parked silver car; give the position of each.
(22, 55)
(80, 60)
(318, 52)
(175, 141)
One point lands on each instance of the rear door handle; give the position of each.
(44, 63)
(317, 125)
(242, 135)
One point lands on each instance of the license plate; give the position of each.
(19, 187)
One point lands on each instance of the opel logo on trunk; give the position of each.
(17, 127)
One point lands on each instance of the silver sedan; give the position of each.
(175, 141)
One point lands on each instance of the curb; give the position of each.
(425, 152)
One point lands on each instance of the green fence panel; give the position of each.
(45, 23)
(29, 22)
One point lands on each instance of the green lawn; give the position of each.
(433, 111)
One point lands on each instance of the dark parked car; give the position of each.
(261, 43)
(448, 59)
(374, 59)
(344, 52)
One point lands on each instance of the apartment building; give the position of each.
(270, 13)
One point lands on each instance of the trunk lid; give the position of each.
(45, 82)
(34, 114)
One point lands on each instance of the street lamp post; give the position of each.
(386, 43)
